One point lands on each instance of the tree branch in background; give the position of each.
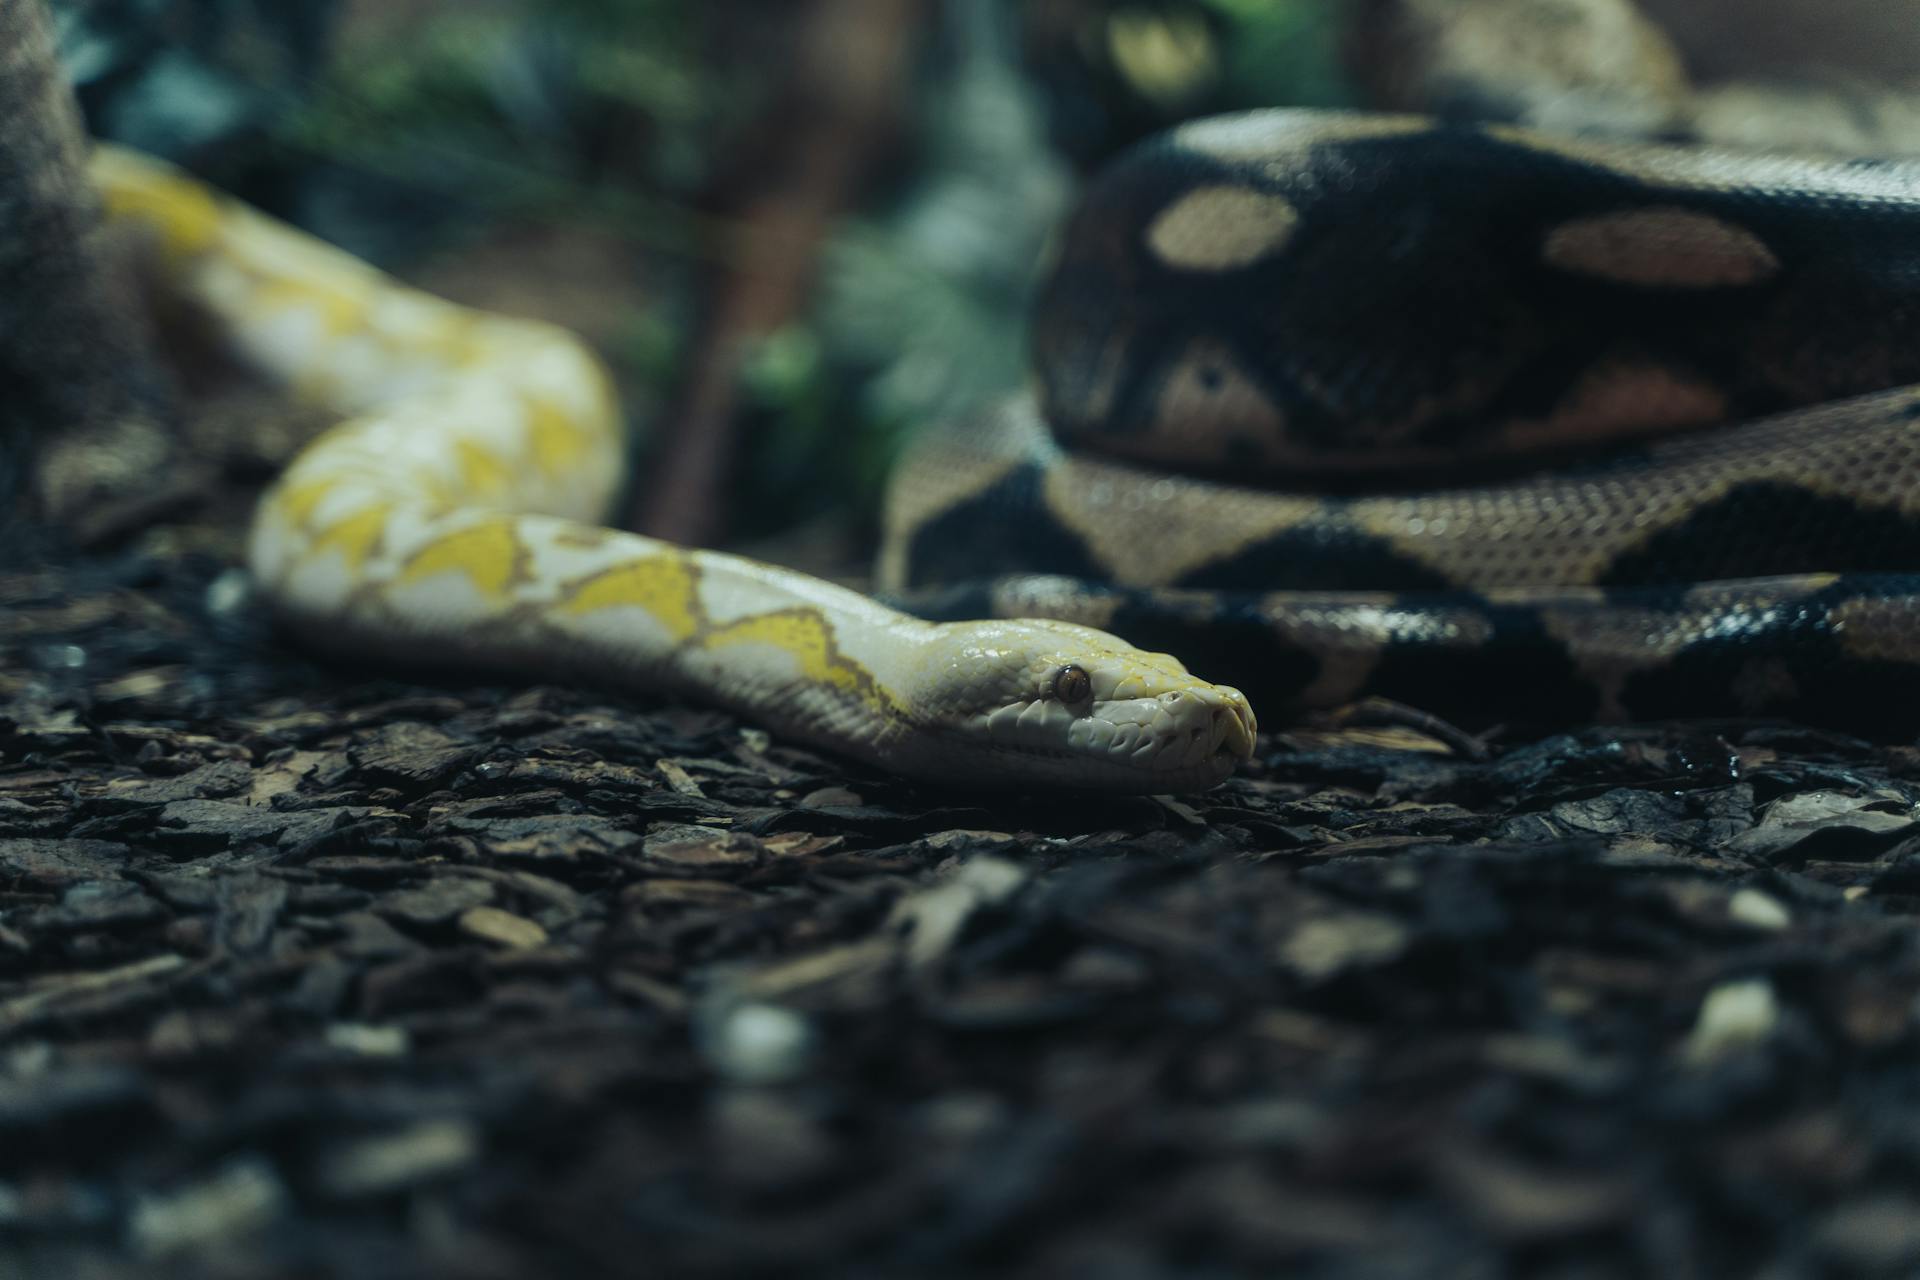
(823, 128)
(81, 410)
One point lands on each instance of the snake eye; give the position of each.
(1071, 684)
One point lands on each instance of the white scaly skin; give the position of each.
(451, 518)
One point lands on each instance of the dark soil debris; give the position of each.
(313, 972)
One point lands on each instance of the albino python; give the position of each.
(447, 520)
(1465, 375)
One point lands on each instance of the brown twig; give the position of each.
(820, 132)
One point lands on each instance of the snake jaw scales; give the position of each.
(1143, 723)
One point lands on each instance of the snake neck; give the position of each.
(496, 590)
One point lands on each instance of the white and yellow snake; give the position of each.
(451, 518)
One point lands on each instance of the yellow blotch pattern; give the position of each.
(454, 338)
(482, 474)
(557, 442)
(440, 494)
(184, 213)
(489, 554)
(663, 585)
(341, 312)
(297, 501)
(805, 635)
(354, 537)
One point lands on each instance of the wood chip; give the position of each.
(502, 928)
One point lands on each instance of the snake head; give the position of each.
(1033, 702)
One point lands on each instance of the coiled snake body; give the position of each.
(1504, 425)
(1361, 314)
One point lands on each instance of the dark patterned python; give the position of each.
(1507, 426)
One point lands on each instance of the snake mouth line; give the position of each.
(1230, 739)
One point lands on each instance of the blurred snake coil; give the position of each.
(1513, 427)
(1508, 426)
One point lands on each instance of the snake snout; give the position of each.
(1213, 722)
(1234, 726)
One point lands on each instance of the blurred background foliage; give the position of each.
(572, 159)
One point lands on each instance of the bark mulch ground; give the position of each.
(314, 972)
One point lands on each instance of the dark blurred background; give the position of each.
(797, 229)
(801, 229)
